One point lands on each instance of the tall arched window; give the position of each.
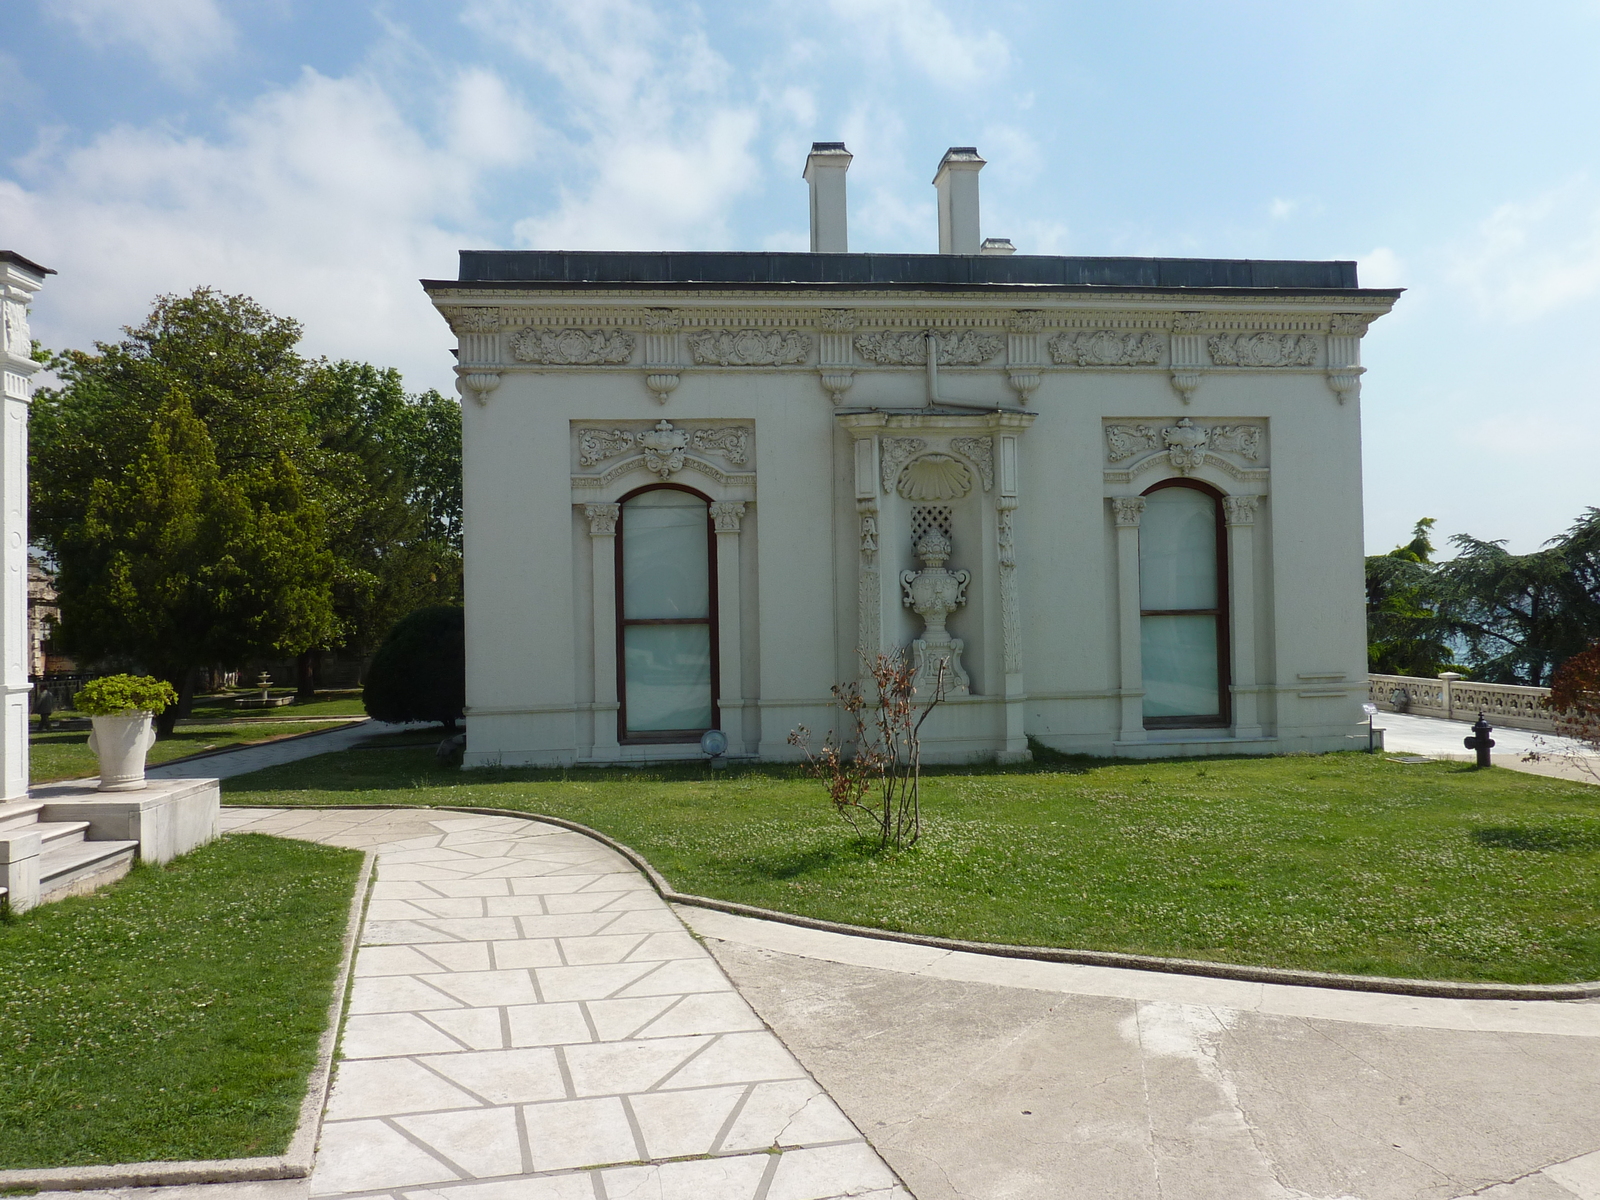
(1183, 627)
(667, 616)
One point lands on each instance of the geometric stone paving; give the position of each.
(530, 1021)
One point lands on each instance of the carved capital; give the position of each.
(726, 515)
(1188, 322)
(1026, 321)
(1240, 510)
(838, 320)
(602, 519)
(661, 320)
(465, 321)
(478, 384)
(1126, 511)
(1349, 324)
(660, 385)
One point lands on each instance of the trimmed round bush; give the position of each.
(420, 671)
(124, 695)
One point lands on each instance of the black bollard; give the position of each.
(1480, 741)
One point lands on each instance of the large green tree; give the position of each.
(1405, 633)
(209, 496)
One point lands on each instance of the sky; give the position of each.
(322, 156)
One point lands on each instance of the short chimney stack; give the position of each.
(957, 182)
(825, 170)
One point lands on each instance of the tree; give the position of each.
(420, 671)
(394, 461)
(174, 483)
(1405, 633)
(1519, 616)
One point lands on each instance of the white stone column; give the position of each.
(1005, 504)
(603, 546)
(1022, 353)
(19, 280)
(835, 354)
(661, 352)
(727, 518)
(1240, 512)
(1126, 511)
(1188, 352)
(1345, 331)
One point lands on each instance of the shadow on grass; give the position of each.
(1545, 839)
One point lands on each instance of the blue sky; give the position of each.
(321, 155)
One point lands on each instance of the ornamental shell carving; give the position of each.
(572, 347)
(1263, 349)
(935, 477)
(749, 347)
(1106, 348)
(969, 348)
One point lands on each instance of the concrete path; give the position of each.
(529, 1021)
(1435, 737)
(228, 763)
(993, 1079)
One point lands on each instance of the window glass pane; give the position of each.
(1180, 666)
(668, 674)
(664, 566)
(1178, 550)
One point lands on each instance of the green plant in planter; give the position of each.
(124, 695)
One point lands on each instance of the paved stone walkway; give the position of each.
(529, 1021)
(253, 758)
(1435, 737)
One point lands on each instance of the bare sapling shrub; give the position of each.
(874, 774)
(1574, 703)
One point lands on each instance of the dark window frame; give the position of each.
(661, 737)
(1224, 715)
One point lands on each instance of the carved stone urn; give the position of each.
(935, 593)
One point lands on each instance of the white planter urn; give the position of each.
(121, 742)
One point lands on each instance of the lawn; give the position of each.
(66, 754)
(327, 704)
(173, 1015)
(1345, 862)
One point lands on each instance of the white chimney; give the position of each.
(957, 181)
(997, 246)
(825, 170)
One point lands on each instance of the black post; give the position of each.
(1480, 741)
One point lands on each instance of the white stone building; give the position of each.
(699, 485)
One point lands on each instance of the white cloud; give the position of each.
(1281, 209)
(1381, 267)
(657, 146)
(320, 200)
(928, 39)
(1532, 257)
(177, 35)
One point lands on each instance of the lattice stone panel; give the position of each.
(929, 516)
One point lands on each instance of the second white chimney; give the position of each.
(957, 181)
(825, 170)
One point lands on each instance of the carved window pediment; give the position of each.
(1236, 447)
(723, 451)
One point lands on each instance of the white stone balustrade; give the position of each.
(1454, 698)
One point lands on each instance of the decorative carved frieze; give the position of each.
(730, 441)
(661, 320)
(1026, 320)
(749, 347)
(1240, 510)
(1263, 349)
(1126, 511)
(597, 445)
(934, 477)
(572, 347)
(896, 452)
(662, 448)
(1106, 348)
(969, 348)
(602, 519)
(1188, 322)
(838, 320)
(1186, 443)
(727, 515)
(1350, 324)
(981, 451)
(464, 321)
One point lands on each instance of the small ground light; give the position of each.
(714, 744)
(1372, 711)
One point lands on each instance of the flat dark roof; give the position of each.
(577, 268)
(11, 256)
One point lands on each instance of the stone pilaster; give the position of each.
(1240, 514)
(1125, 512)
(727, 519)
(19, 280)
(1188, 352)
(603, 546)
(1345, 331)
(661, 366)
(835, 356)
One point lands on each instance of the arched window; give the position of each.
(1183, 626)
(667, 616)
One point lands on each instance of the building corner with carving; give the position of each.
(1115, 503)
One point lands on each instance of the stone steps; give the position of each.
(69, 868)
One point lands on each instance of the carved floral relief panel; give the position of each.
(969, 348)
(749, 347)
(572, 347)
(721, 450)
(1239, 447)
